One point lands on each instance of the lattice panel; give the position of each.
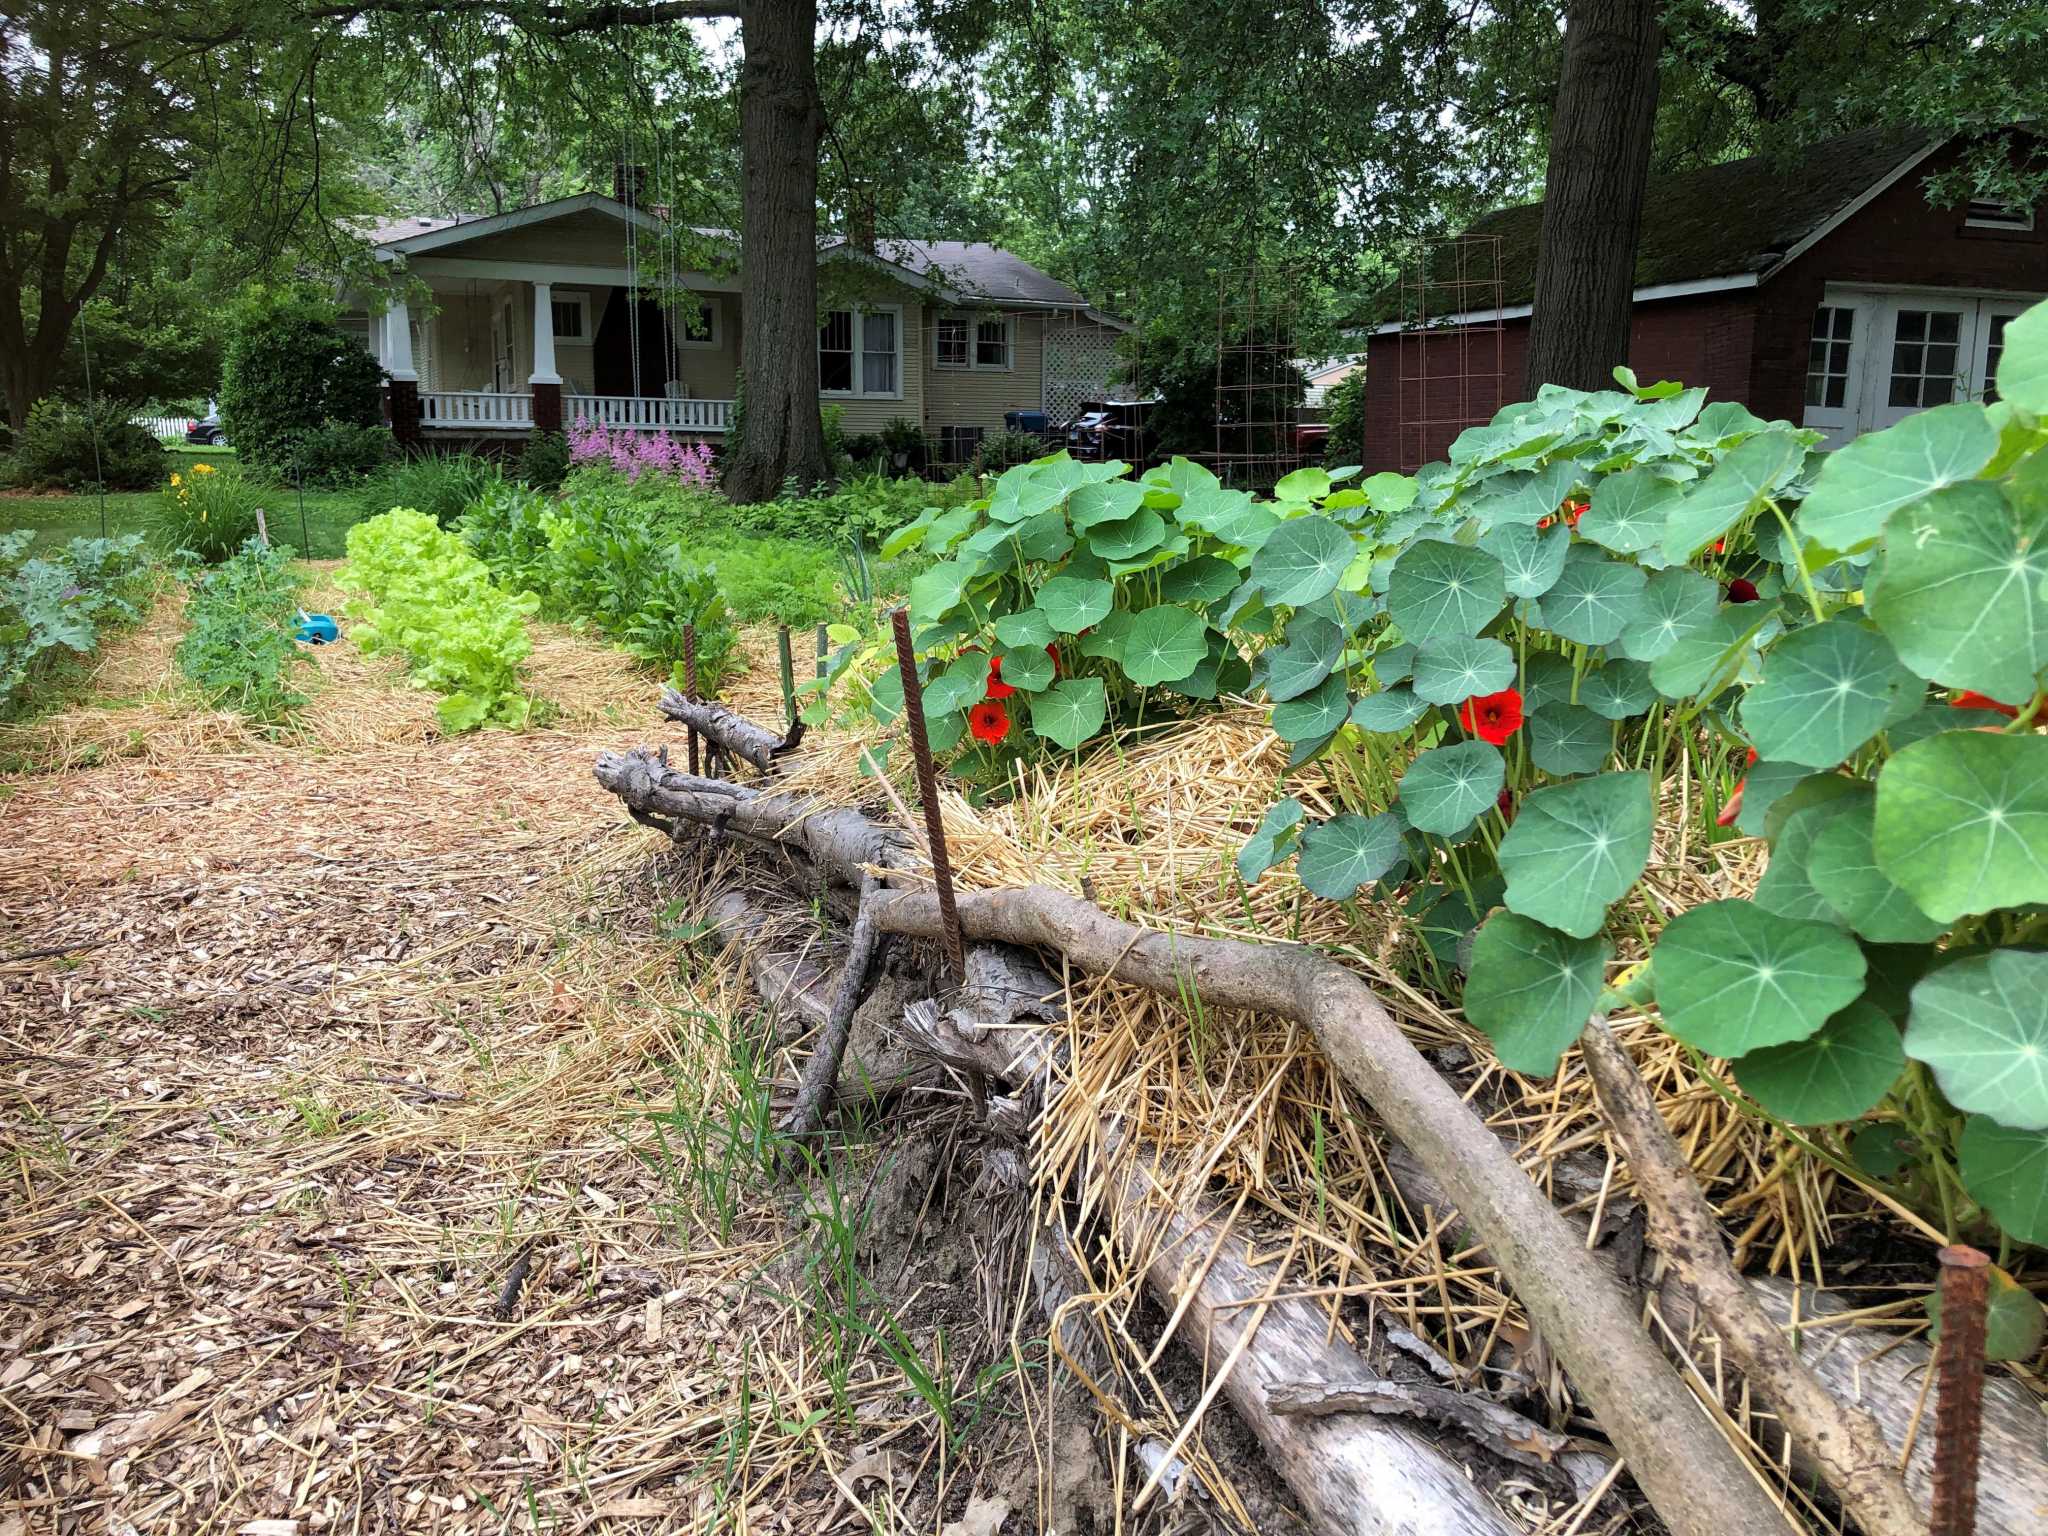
(1080, 361)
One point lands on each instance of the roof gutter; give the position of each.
(1650, 293)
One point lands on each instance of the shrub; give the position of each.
(288, 372)
(906, 446)
(64, 446)
(864, 451)
(544, 462)
(54, 608)
(433, 599)
(206, 512)
(867, 506)
(239, 649)
(338, 453)
(442, 485)
(1005, 450)
(1344, 410)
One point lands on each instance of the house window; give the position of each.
(862, 348)
(695, 321)
(1827, 356)
(1925, 346)
(992, 344)
(1984, 213)
(957, 444)
(950, 342)
(571, 316)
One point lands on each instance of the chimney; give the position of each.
(629, 185)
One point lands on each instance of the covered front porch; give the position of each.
(482, 410)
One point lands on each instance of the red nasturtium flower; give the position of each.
(1968, 700)
(1720, 546)
(1492, 717)
(1733, 808)
(1742, 590)
(1053, 650)
(997, 688)
(989, 721)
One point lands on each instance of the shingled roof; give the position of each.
(1723, 220)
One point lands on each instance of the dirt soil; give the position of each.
(379, 1159)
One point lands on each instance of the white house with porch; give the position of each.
(537, 320)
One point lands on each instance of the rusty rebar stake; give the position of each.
(928, 793)
(788, 674)
(824, 644)
(1959, 1390)
(690, 685)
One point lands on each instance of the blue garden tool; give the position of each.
(316, 629)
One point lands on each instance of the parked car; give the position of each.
(1111, 429)
(207, 432)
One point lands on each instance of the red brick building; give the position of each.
(1829, 293)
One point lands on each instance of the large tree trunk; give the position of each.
(780, 121)
(1600, 138)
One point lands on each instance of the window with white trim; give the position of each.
(695, 321)
(1994, 349)
(1986, 213)
(1827, 356)
(1925, 350)
(952, 342)
(571, 315)
(860, 352)
(992, 343)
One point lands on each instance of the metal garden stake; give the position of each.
(788, 674)
(690, 685)
(928, 794)
(1959, 1390)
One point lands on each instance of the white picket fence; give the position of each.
(169, 428)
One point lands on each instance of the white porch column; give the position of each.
(544, 335)
(398, 342)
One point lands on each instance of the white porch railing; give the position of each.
(648, 413)
(475, 410)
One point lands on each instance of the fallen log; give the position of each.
(1689, 1472)
(729, 730)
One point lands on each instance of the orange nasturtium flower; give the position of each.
(989, 721)
(1492, 717)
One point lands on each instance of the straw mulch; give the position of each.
(313, 1042)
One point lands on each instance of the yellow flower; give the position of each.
(175, 480)
(202, 469)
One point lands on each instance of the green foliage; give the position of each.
(206, 512)
(287, 372)
(433, 600)
(238, 648)
(1602, 593)
(54, 608)
(1000, 451)
(67, 447)
(867, 507)
(339, 453)
(544, 461)
(442, 485)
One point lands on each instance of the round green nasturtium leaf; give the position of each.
(1022, 492)
(1026, 627)
(1345, 852)
(1566, 739)
(1865, 481)
(1594, 599)
(1073, 603)
(1389, 492)
(1128, 537)
(1444, 589)
(1313, 648)
(1530, 989)
(1958, 589)
(961, 684)
(1936, 718)
(1164, 644)
(2013, 1320)
(1826, 690)
(1749, 472)
(1222, 671)
(1629, 510)
(1884, 1150)
(1618, 690)
(1393, 664)
(1453, 668)
(1787, 887)
(1531, 558)
(934, 591)
(1027, 668)
(1303, 560)
(1837, 1074)
(1765, 784)
(2006, 1171)
(1200, 580)
(1104, 501)
(1575, 848)
(1070, 711)
(1981, 1025)
(1546, 680)
(1962, 822)
(1524, 496)
(1675, 602)
(1733, 978)
(1044, 537)
(1445, 789)
(1391, 709)
(1705, 660)
(1313, 715)
(1106, 637)
(1842, 866)
(1273, 841)
(2023, 363)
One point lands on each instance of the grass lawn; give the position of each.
(59, 516)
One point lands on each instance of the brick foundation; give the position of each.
(547, 407)
(402, 410)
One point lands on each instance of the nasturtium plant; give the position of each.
(1615, 628)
